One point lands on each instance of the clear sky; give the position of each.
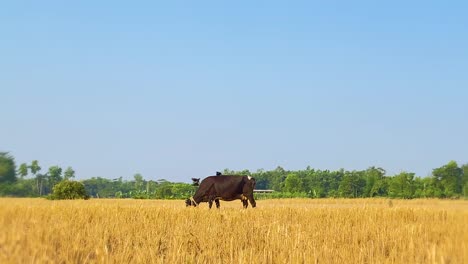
(176, 90)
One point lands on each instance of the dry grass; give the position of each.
(278, 231)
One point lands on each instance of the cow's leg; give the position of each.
(245, 203)
(212, 198)
(252, 201)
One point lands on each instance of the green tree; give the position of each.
(465, 180)
(69, 190)
(182, 190)
(432, 188)
(245, 172)
(55, 176)
(352, 184)
(41, 180)
(422, 187)
(23, 188)
(138, 181)
(228, 172)
(7, 168)
(101, 188)
(277, 178)
(69, 173)
(23, 170)
(163, 189)
(334, 180)
(374, 179)
(261, 179)
(35, 168)
(448, 179)
(293, 183)
(402, 185)
(316, 182)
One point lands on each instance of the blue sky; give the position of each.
(176, 90)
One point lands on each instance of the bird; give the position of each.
(196, 181)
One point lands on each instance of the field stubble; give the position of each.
(278, 231)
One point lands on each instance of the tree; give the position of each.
(163, 189)
(41, 179)
(35, 168)
(316, 182)
(293, 183)
(245, 172)
(465, 180)
(69, 190)
(402, 185)
(261, 179)
(228, 172)
(55, 176)
(69, 173)
(352, 184)
(182, 190)
(374, 177)
(334, 180)
(100, 187)
(23, 170)
(7, 168)
(277, 178)
(448, 179)
(138, 181)
(423, 187)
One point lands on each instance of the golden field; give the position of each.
(277, 231)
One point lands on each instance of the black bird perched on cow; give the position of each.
(196, 181)
(226, 188)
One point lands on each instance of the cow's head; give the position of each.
(190, 202)
(249, 184)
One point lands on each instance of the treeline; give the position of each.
(138, 188)
(15, 181)
(448, 181)
(30, 180)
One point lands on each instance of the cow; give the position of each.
(226, 188)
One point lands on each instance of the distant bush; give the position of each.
(69, 190)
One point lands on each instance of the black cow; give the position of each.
(226, 188)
